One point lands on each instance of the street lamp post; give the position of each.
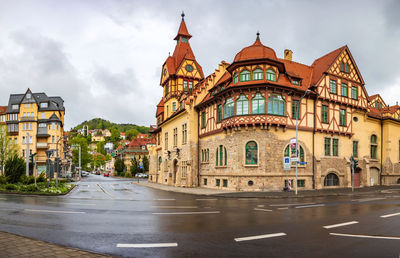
(79, 147)
(297, 134)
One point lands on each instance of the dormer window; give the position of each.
(14, 107)
(295, 82)
(378, 105)
(28, 96)
(44, 105)
(184, 39)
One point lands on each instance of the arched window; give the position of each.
(220, 156)
(271, 75)
(398, 181)
(159, 163)
(242, 105)
(258, 74)
(251, 153)
(229, 108)
(374, 146)
(258, 104)
(276, 105)
(245, 76)
(331, 180)
(289, 152)
(235, 78)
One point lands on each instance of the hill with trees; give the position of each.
(99, 123)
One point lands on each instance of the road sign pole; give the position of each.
(27, 154)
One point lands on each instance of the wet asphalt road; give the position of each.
(102, 213)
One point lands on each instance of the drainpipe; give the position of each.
(313, 144)
(198, 149)
(380, 178)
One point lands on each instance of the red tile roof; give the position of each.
(323, 63)
(255, 51)
(160, 107)
(183, 31)
(3, 110)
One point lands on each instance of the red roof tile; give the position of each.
(323, 63)
(183, 31)
(255, 51)
(3, 110)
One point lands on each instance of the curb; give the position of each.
(39, 194)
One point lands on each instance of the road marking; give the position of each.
(247, 199)
(291, 204)
(104, 191)
(148, 245)
(285, 208)
(164, 199)
(340, 225)
(73, 203)
(2, 199)
(206, 199)
(390, 215)
(259, 237)
(365, 236)
(261, 206)
(367, 199)
(258, 209)
(175, 207)
(310, 206)
(53, 211)
(185, 213)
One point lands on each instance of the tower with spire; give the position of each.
(180, 74)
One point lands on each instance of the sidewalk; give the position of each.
(17, 246)
(274, 194)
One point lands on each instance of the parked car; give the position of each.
(106, 174)
(97, 172)
(142, 175)
(84, 173)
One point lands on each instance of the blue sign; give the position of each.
(301, 163)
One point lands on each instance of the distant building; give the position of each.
(3, 115)
(109, 147)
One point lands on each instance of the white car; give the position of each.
(84, 173)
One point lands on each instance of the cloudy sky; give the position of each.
(104, 57)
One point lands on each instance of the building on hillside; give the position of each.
(106, 133)
(109, 147)
(3, 115)
(142, 136)
(122, 136)
(98, 138)
(36, 120)
(233, 128)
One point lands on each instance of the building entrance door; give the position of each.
(175, 170)
(357, 177)
(374, 176)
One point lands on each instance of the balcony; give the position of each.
(42, 145)
(42, 132)
(27, 118)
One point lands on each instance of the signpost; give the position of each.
(286, 166)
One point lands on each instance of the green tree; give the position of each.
(99, 160)
(134, 166)
(7, 147)
(115, 136)
(14, 168)
(145, 163)
(119, 166)
(100, 147)
(131, 134)
(108, 157)
(86, 158)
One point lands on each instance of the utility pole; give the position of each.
(35, 169)
(80, 169)
(27, 154)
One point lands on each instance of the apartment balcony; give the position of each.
(42, 132)
(27, 118)
(42, 145)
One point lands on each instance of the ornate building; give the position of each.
(233, 128)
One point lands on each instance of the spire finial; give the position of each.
(183, 15)
(258, 35)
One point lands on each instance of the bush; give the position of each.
(128, 174)
(14, 168)
(41, 178)
(3, 180)
(11, 187)
(27, 180)
(31, 188)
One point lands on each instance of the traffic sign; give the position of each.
(301, 163)
(294, 159)
(286, 163)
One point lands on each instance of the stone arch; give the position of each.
(331, 179)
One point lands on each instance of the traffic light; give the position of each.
(31, 159)
(355, 164)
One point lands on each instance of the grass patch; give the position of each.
(41, 188)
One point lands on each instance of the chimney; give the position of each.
(288, 54)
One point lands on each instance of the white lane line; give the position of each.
(53, 211)
(206, 199)
(284, 208)
(247, 199)
(258, 209)
(259, 237)
(185, 213)
(291, 204)
(73, 203)
(164, 199)
(390, 215)
(310, 206)
(340, 224)
(367, 199)
(2, 199)
(365, 236)
(148, 245)
(175, 207)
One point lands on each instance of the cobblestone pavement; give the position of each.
(17, 246)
